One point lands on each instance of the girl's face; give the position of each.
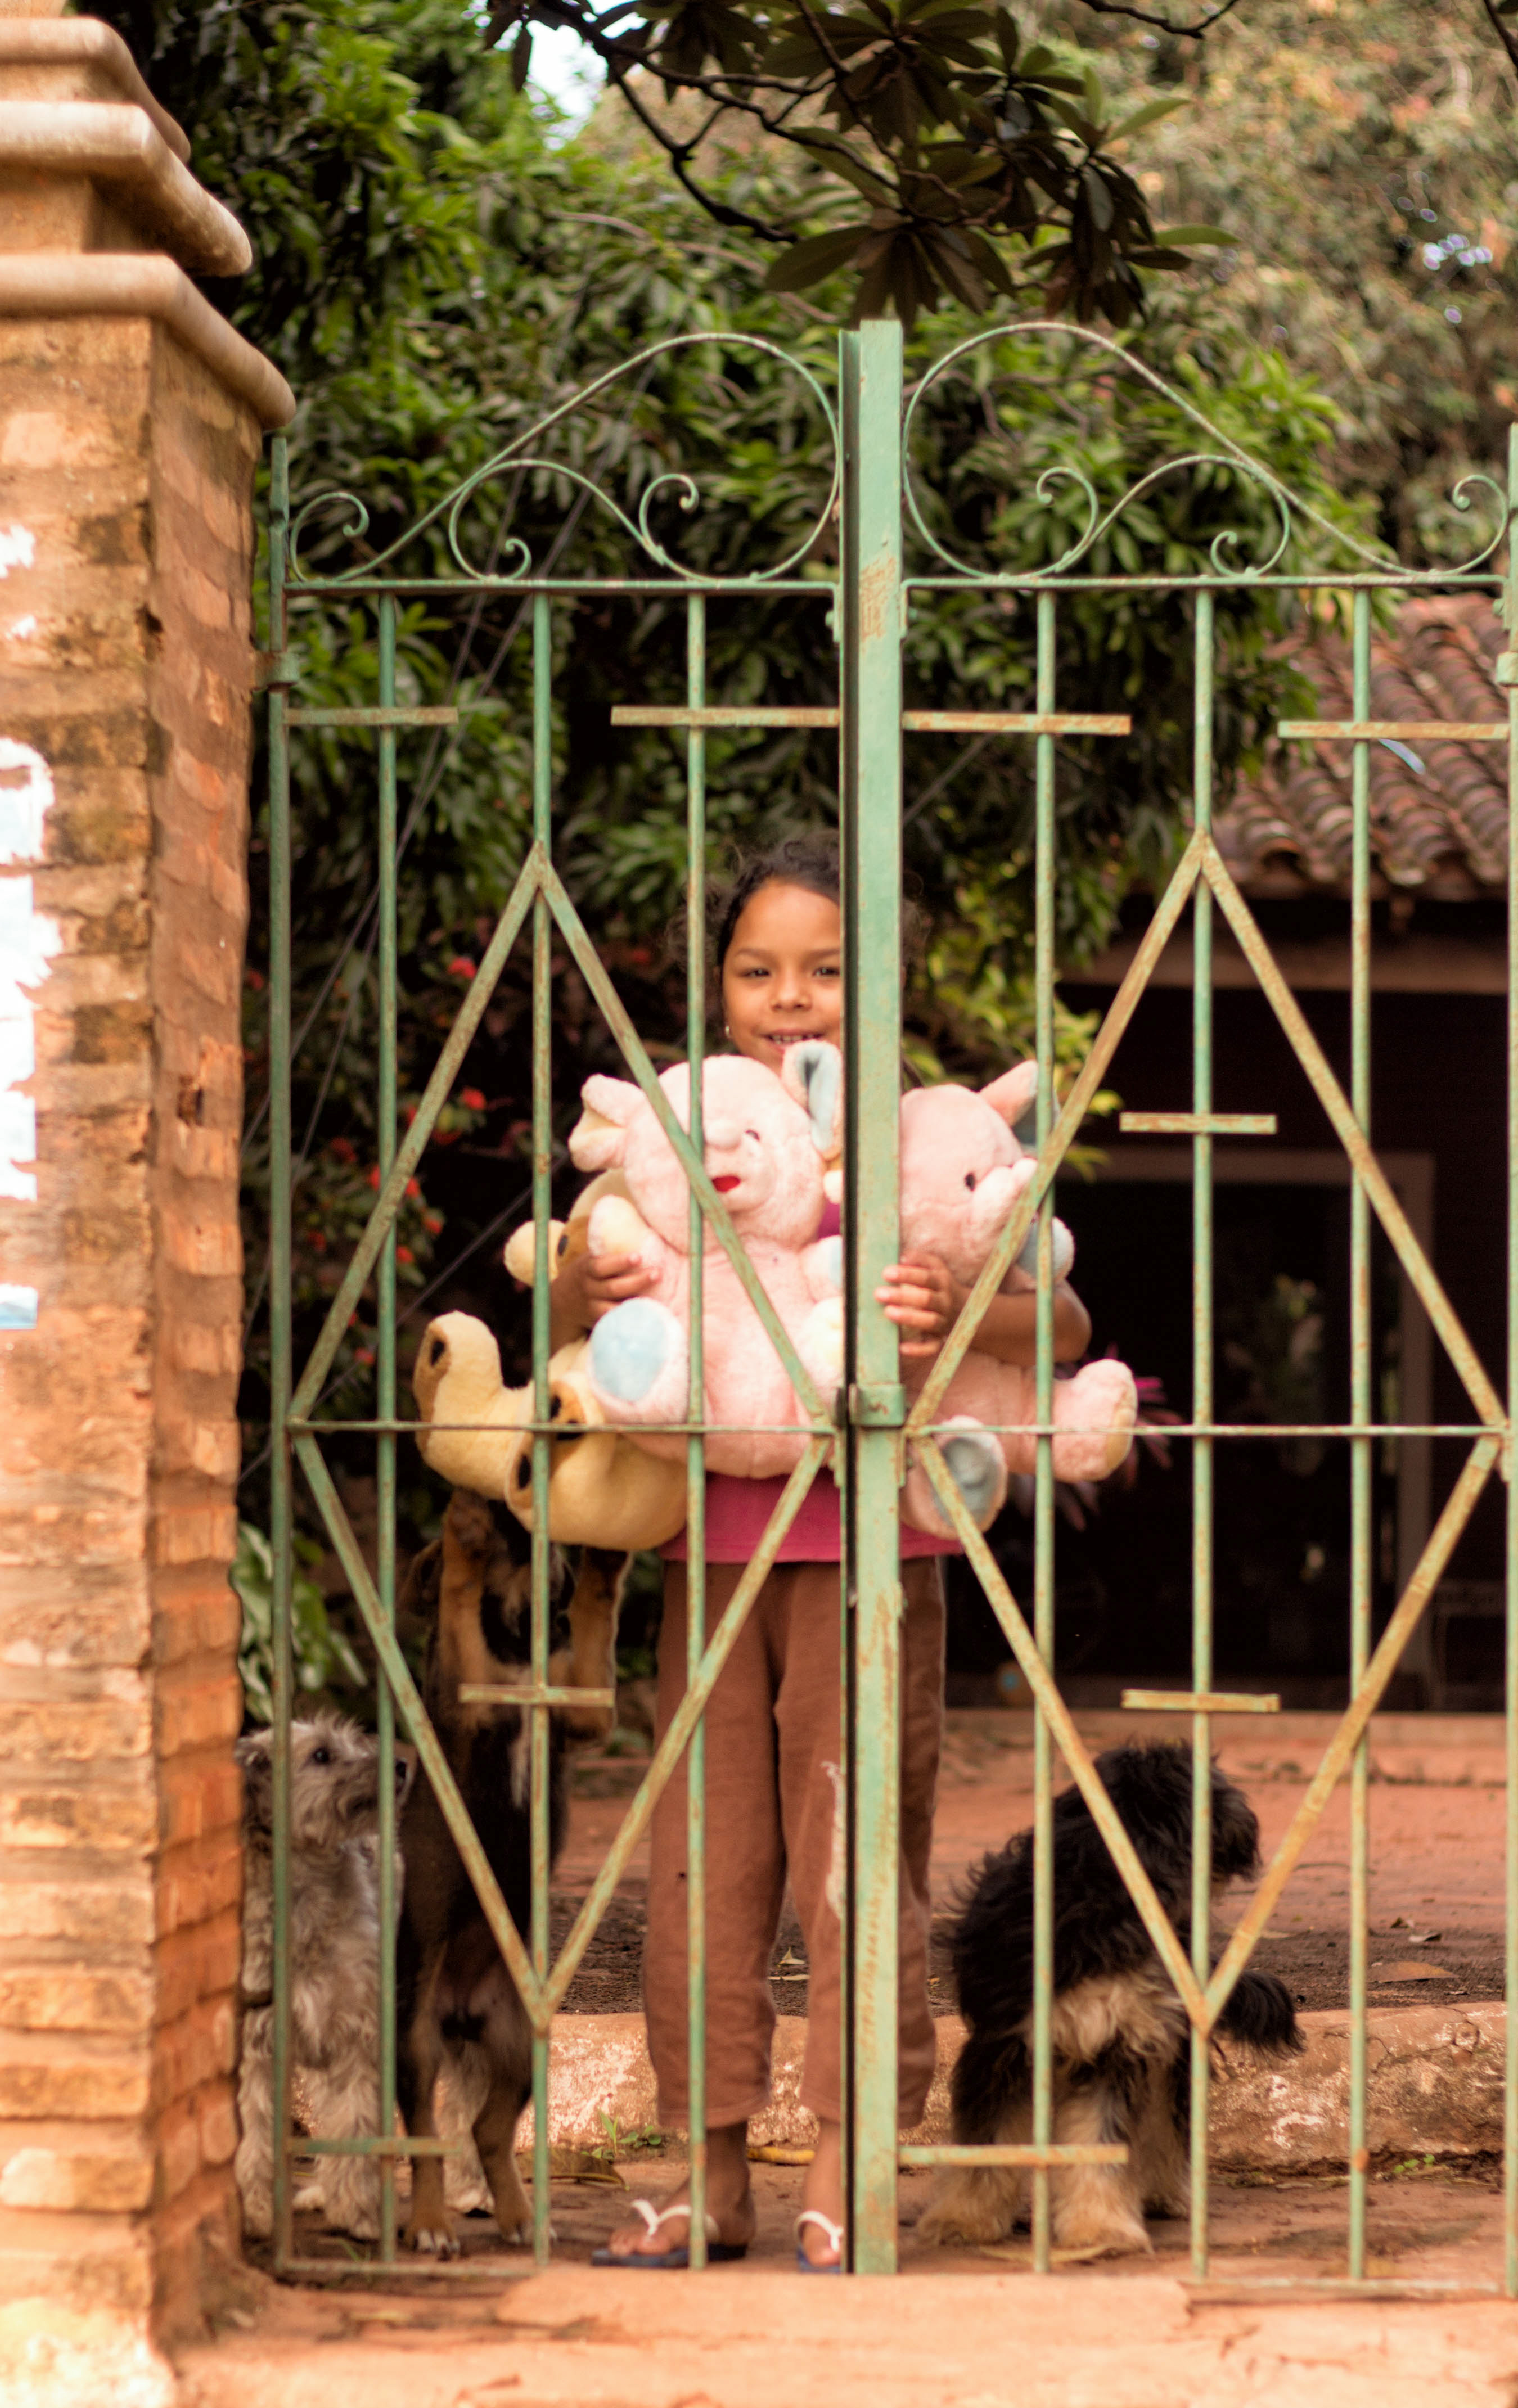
(782, 977)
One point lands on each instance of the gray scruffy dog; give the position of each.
(335, 1964)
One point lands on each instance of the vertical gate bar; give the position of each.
(1202, 1463)
(281, 1530)
(385, 1408)
(870, 362)
(1509, 2087)
(696, 1451)
(542, 1603)
(1043, 1499)
(1360, 1415)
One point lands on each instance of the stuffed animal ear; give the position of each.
(598, 1140)
(1013, 1096)
(813, 1074)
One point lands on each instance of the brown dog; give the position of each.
(457, 2003)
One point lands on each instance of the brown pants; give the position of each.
(774, 1808)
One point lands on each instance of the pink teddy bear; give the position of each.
(767, 1143)
(963, 1172)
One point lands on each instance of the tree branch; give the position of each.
(1168, 24)
(1508, 38)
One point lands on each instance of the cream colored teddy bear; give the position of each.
(603, 1490)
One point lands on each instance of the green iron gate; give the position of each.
(882, 530)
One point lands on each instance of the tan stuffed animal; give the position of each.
(603, 1490)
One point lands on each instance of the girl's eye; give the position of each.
(754, 1133)
(321, 1756)
(969, 1179)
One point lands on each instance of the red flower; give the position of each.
(461, 966)
(413, 1187)
(364, 1354)
(472, 1100)
(404, 1255)
(342, 1149)
(374, 1176)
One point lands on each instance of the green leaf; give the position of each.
(1174, 235)
(521, 58)
(1150, 113)
(1098, 198)
(817, 255)
(1007, 40)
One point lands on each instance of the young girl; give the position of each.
(772, 1723)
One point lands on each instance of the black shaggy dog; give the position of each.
(457, 2003)
(1120, 2031)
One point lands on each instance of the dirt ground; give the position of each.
(1260, 2331)
(1132, 2333)
(1437, 1854)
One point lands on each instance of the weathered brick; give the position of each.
(118, 1442)
(179, 2147)
(114, 1914)
(197, 1797)
(113, 1819)
(75, 1999)
(218, 2118)
(75, 1730)
(100, 2181)
(188, 1534)
(84, 2085)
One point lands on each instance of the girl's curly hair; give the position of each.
(807, 858)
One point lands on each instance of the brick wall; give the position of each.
(126, 483)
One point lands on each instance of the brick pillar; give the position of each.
(131, 420)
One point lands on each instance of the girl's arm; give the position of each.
(925, 1299)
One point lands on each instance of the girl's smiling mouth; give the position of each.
(725, 1185)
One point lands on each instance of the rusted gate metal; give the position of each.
(891, 565)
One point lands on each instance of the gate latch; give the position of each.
(876, 1404)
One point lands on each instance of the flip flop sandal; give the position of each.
(719, 2253)
(835, 2237)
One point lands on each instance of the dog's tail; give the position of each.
(1260, 2014)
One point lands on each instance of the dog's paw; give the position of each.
(963, 2222)
(432, 2239)
(1102, 2236)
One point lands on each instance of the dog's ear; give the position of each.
(423, 1584)
(257, 1759)
(1236, 1833)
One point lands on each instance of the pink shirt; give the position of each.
(738, 1510)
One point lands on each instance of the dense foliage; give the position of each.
(436, 273)
(1360, 154)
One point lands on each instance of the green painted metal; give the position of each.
(1506, 666)
(1202, 1408)
(870, 817)
(695, 1452)
(1043, 1490)
(384, 1449)
(883, 527)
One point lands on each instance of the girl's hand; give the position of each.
(922, 1296)
(589, 1287)
(610, 1280)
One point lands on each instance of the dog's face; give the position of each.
(334, 1784)
(1151, 1786)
